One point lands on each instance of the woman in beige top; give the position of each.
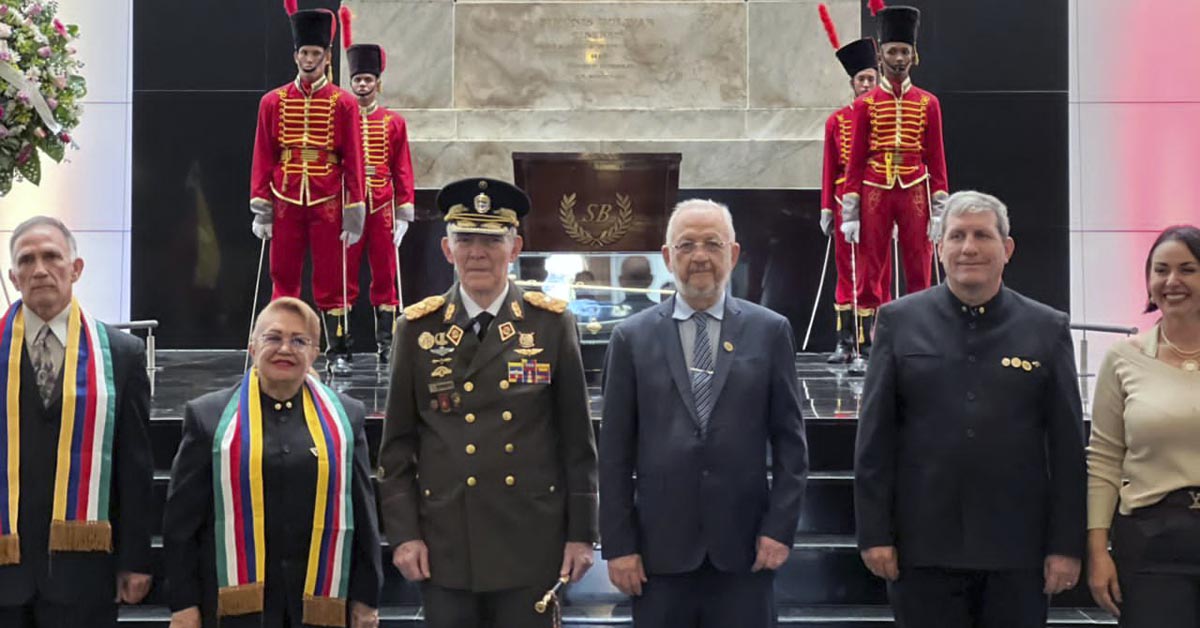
(1144, 454)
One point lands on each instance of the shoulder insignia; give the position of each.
(517, 312)
(925, 100)
(425, 307)
(282, 91)
(546, 302)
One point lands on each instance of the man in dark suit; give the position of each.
(969, 465)
(689, 523)
(284, 347)
(46, 584)
(487, 470)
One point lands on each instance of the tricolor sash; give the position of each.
(238, 494)
(83, 472)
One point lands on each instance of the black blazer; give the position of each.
(289, 481)
(963, 459)
(700, 495)
(83, 577)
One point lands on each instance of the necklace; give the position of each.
(1189, 358)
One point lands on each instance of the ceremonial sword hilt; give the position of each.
(541, 605)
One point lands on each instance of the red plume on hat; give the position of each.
(346, 17)
(830, 29)
(876, 6)
(291, 6)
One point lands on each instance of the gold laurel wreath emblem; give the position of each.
(580, 234)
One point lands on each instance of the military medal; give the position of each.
(527, 343)
(426, 341)
(441, 371)
(507, 331)
(454, 335)
(528, 372)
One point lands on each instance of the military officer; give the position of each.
(861, 62)
(896, 173)
(488, 463)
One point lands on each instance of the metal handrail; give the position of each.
(1084, 328)
(151, 359)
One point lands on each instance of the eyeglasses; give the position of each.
(687, 247)
(275, 341)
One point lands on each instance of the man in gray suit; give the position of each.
(696, 534)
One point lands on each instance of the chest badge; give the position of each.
(528, 345)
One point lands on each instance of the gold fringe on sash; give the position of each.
(80, 536)
(324, 611)
(10, 549)
(240, 600)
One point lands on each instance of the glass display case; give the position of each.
(602, 289)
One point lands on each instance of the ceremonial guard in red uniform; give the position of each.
(306, 159)
(860, 60)
(897, 169)
(389, 188)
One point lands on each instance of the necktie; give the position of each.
(46, 355)
(483, 320)
(702, 370)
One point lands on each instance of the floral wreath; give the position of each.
(40, 88)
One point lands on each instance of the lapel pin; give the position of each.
(728, 346)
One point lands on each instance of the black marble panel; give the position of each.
(989, 46)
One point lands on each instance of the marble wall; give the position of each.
(741, 89)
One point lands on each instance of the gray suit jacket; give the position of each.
(700, 494)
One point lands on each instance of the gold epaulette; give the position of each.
(426, 307)
(546, 302)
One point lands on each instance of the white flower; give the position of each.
(5, 31)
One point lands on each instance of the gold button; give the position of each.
(468, 386)
(504, 384)
(510, 480)
(509, 448)
(507, 416)
(470, 417)
(427, 492)
(470, 449)
(471, 481)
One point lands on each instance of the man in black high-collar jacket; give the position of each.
(969, 464)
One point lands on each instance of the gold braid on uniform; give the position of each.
(424, 308)
(545, 302)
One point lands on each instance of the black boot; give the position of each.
(867, 323)
(844, 351)
(385, 320)
(337, 343)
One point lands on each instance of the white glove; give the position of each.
(353, 218)
(935, 229)
(261, 229)
(850, 229)
(826, 220)
(399, 228)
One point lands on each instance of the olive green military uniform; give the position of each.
(488, 453)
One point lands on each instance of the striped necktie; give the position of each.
(702, 370)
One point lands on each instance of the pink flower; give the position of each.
(60, 28)
(3, 10)
(60, 82)
(23, 156)
(52, 103)
(23, 98)
(44, 52)
(5, 56)
(65, 137)
(37, 131)
(1, 112)
(5, 30)
(3, 131)
(35, 10)
(71, 50)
